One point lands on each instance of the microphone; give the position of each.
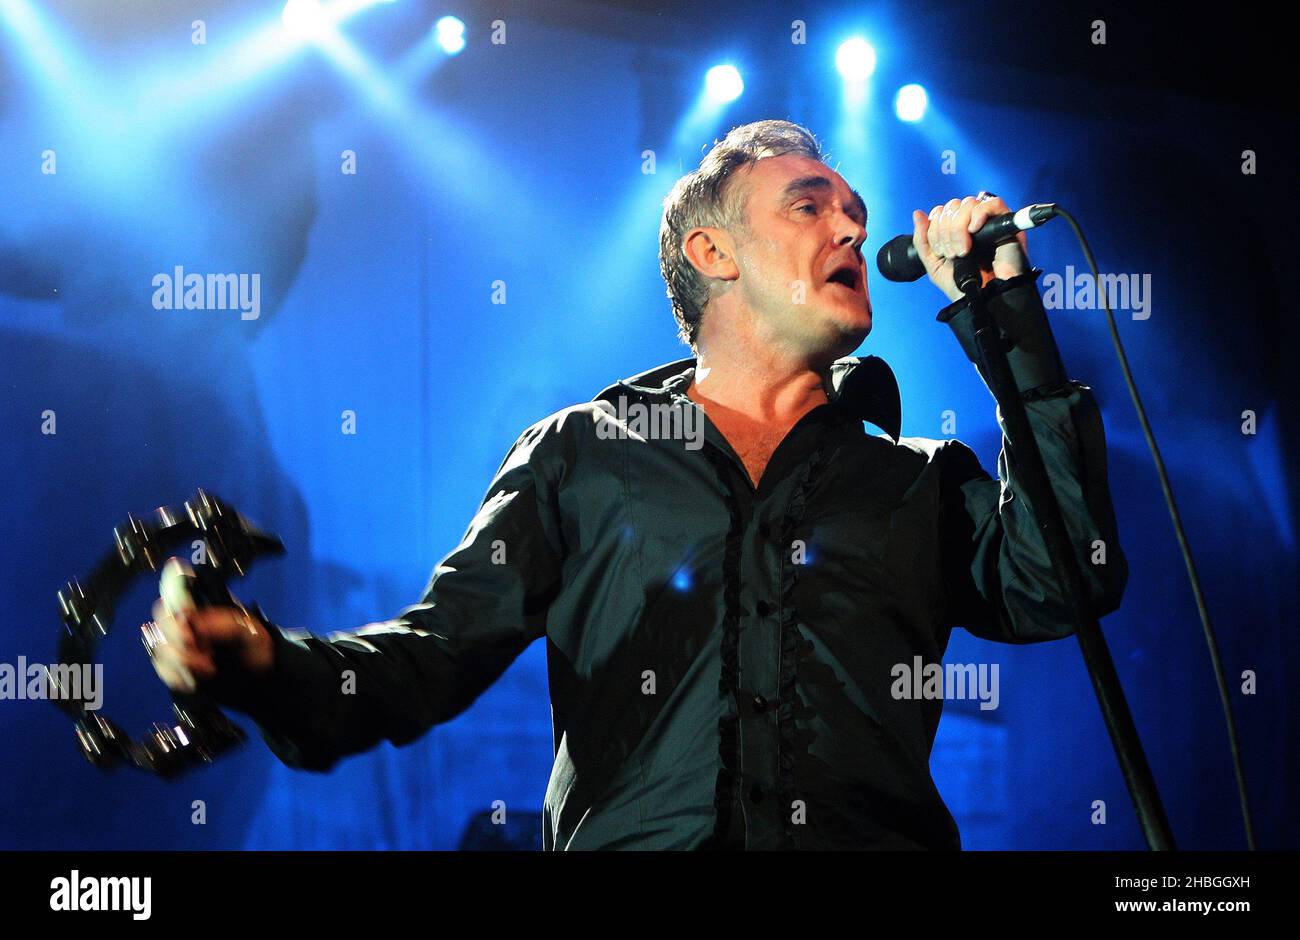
(898, 260)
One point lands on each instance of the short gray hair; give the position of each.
(702, 198)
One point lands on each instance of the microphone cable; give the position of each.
(1211, 640)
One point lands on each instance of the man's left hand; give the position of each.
(946, 234)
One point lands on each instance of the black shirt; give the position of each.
(722, 657)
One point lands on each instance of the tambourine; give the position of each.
(201, 732)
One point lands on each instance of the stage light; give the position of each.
(724, 83)
(855, 59)
(910, 103)
(302, 17)
(450, 32)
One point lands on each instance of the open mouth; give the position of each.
(847, 275)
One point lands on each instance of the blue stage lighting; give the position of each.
(302, 17)
(910, 103)
(856, 59)
(724, 83)
(450, 32)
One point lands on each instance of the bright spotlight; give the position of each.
(910, 103)
(302, 17)
(450, 32)
(856, 59)
(724, 83)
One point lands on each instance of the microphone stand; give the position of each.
(1036, 487)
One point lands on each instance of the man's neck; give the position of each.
(762, 387)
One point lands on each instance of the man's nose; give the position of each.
(850, 232)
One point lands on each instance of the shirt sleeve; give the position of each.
(999, 577)
(330, 696)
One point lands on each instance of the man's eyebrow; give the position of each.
(861, 204)
(820, 183)
(803, 184)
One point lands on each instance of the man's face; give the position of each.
(801, 266)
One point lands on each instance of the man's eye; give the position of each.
(808, 205)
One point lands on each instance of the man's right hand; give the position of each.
(189, 646)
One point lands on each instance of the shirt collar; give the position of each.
(863, 385)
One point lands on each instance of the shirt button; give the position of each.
(764, 608)
(759, 703)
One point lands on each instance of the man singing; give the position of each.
(723, 616)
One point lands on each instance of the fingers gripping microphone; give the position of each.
(898, 260)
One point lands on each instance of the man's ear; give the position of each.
(712, 252)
